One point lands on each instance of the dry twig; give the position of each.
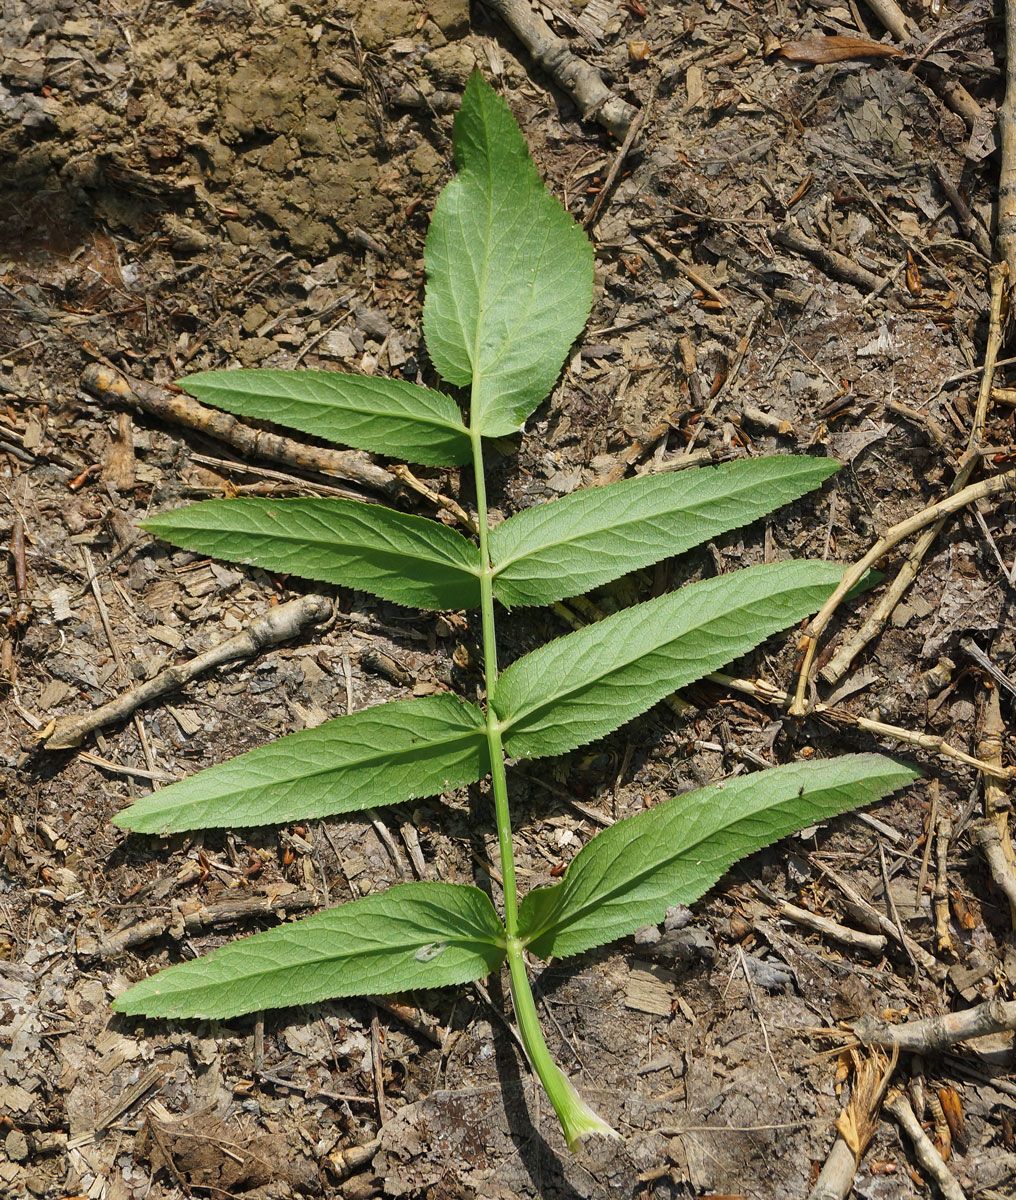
(942, 834)
(191, 916)
(835, 715)
(967, 221)
(932, 1034)
(105, 385)
(277, 625)
(916, 951)
(993, 837)
(693, 276)
(953, 94)
(898, 1106)
(870, 943)
(991, 486)
(988, 838)
(575, 77)
(891, 596)
(1007, 131)
(603, 195)
(832, 262)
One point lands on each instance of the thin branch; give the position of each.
(992, 486)
(1006, 235)
(838, 665)
(578, 79)
(898, 1106)
(932, 1034)
(277, 625)
(870, 943)
(109, 387)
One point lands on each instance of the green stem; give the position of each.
(576, 1117)
(498, 779)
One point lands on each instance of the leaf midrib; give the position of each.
(330, 544)
(600, 900)
(323, 407)
(473, 944)
(539, 710)
(375, 758)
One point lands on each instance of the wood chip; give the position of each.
(650, 989)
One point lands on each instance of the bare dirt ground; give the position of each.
(780, 267)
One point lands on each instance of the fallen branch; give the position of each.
(970, 225)
(277, 625)
(577, 78)
(942, 832)
(179, 409)
(990, 841)
(932, 1034)
(992, 486)
(921, 956)
(1006, 235)
(835, 715)
(832, 262)
(191, 916)
(870, 943)
(898, 1106)
(994, 839)
(891, 596)
(953, 94)
(693, 276)
(600, 202)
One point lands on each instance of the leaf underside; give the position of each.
(567, 547)
(630, 874)
(408, 560)
(414, 935)
(386, 754)
(509, 273)
(590, 682)
(388, 416)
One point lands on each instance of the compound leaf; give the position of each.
(387, 416)
(586, 684)
(510, 274)
(383, 755)
(409, 560)
(629, 875)
(567, 547)
(415, 935)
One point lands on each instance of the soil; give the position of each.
(194, 185)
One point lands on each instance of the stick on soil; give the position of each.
(178, 409)
(1007, 173)
(278, 625)
(932, 1034)
(898, 1106)
(578, 79)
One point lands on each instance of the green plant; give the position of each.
(509, 288)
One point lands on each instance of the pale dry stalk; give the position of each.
(932, 1034)
(836, 715)
(595, 101)
(1006, 236)
(874, 624)
(992, 486)
(994, 837)
(940, 896)
(898, 1106)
